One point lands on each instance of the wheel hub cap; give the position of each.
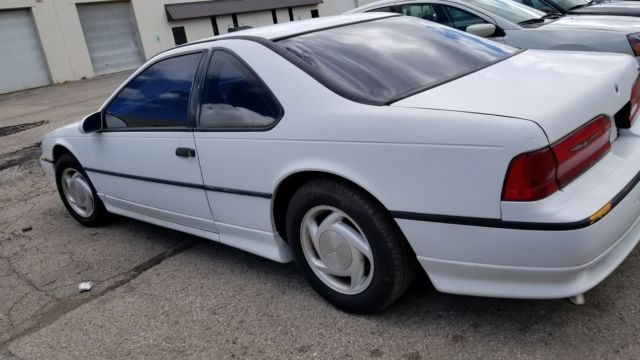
(77, 192)
(334, 251)
(337, 250)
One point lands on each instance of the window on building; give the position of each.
(157, 98)
(179, 35)
(234, 18)
(235, 98)
(315, 13)
(290, 14)
(274, 15)
(214, 24)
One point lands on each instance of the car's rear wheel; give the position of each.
(78, 194)
(348, 247)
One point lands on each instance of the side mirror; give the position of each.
(92, 123)
(482, 30)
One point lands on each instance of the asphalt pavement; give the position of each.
(160, 294)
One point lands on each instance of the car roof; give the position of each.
(290, 29)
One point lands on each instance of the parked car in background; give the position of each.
(522, 26)
(585, 7)
(410, 143)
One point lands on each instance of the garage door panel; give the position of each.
(111, 34)
(22, 63)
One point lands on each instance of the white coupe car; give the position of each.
(362, 146)
(520, 26)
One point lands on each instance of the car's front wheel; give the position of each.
(78, 194)
(348, 247)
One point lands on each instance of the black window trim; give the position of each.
(199, 97)
(190, 115)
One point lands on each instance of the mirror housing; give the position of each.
(92, 123)
(482, 30)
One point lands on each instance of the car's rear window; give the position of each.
(385, 60)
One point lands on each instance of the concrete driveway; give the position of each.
(159, 294)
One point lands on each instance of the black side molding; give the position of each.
(183, 184)
(519, 225)
(490, 223)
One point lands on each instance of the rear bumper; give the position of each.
(529, 282)
(554, 248)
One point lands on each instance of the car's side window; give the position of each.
(462, 19)
(234, 98)
(383, 9)
(156, 98)
(429, 12)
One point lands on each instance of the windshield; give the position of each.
(509, 10)
(384, 60)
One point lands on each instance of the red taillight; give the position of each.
(531, 176)
(578, 151)
(635, 101)
(536, 175)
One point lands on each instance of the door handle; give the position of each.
(185, 152)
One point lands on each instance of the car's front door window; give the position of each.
(462, 19)
(383, 9)
(156, 98)
(429, 12)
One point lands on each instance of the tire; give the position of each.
(79, 188)
(341, 217)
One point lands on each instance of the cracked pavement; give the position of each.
(160, 294)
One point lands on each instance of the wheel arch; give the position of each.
(61, 146)
(58, 151)
(288, 185)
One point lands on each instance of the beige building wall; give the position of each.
(336, 7)
(283, 15)
(302, 12)
(255, 19)
(155, 29)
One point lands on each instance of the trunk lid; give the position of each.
(558, 90)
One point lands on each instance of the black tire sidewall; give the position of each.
(99, 213)
(380, 291)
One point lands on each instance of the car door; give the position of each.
(236, 108)
(144, 161)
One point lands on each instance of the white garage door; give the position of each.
(111, 34)
(22, 64)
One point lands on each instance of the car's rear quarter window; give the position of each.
(383, 60)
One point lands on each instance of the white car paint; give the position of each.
(444, 151)
(571, 32)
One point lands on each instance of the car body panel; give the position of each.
(541, 264)
(615, 8)
(625, 24)
(609, 8)
(489, 90)
(575, 33)
(439, 152)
